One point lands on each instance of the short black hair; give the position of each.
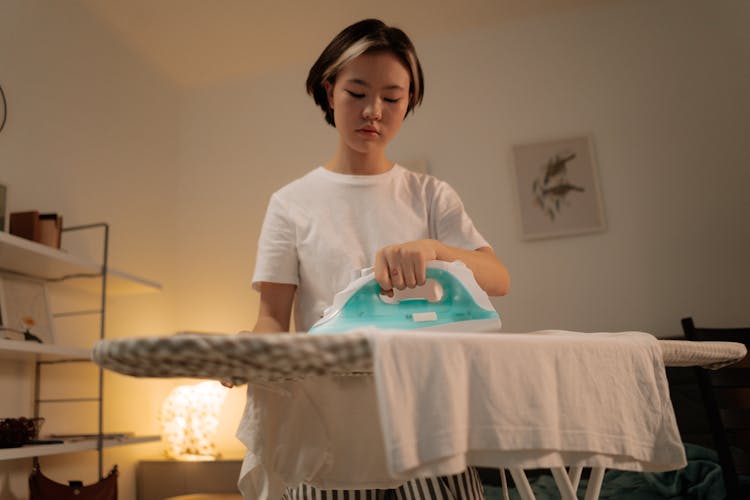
(368, 35)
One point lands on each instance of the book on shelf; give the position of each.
(83, 437)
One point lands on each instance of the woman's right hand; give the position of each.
(404, 265)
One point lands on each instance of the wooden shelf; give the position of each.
(72, 446)
(19, 255)
(21, 350)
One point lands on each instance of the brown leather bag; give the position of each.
(43, 488)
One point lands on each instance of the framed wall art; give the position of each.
(3, 204)
(557, 186)
(24, 307)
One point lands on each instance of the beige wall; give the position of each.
(662, 89)
(660, 86)
(92, 134)
(184, 179)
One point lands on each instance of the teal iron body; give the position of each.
(457, 303)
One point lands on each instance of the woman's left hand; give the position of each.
(404, 265)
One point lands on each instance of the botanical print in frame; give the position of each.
(24, 307)
(3, 204)
(558, 188)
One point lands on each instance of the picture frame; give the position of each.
(557, 188)
(3, 206)
(24, 307)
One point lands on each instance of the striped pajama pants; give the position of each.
(463, 486)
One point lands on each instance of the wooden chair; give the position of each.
(726, 397)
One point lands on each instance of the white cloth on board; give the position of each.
(548, 398)
(439, 401)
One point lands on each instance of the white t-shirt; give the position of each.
(323, 226)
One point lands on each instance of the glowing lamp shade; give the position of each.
(190, 419)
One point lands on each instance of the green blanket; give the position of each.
(700, 479)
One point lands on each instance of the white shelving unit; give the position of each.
(30, 258)
(33, 351)
(70, 446)
(22, 257)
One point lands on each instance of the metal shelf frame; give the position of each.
(30, 259)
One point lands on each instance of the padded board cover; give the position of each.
(236, 358)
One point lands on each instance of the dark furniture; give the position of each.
(726, 399)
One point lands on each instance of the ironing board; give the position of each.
(247, 357)
(287, 357)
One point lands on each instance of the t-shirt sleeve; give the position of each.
(277, 261)
(450, 222)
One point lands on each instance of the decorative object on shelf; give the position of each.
(14, 334)
(190, 420)
(24, 309)
(42, 228)
(15, 432)
(42, 488)
(3, 203)
(558, 188)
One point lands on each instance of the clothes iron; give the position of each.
(451, 300)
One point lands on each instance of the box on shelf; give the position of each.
(42, 228)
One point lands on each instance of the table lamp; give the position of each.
(190, 420)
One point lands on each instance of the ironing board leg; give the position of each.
(595, 483)
(574, 473)
(522, 483)
(563, 483)
(504, 484)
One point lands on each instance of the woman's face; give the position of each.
(369, 100)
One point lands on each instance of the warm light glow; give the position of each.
(190, 419)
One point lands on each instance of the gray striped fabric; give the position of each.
(464, 486)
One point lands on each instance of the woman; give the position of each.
(361, 209)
